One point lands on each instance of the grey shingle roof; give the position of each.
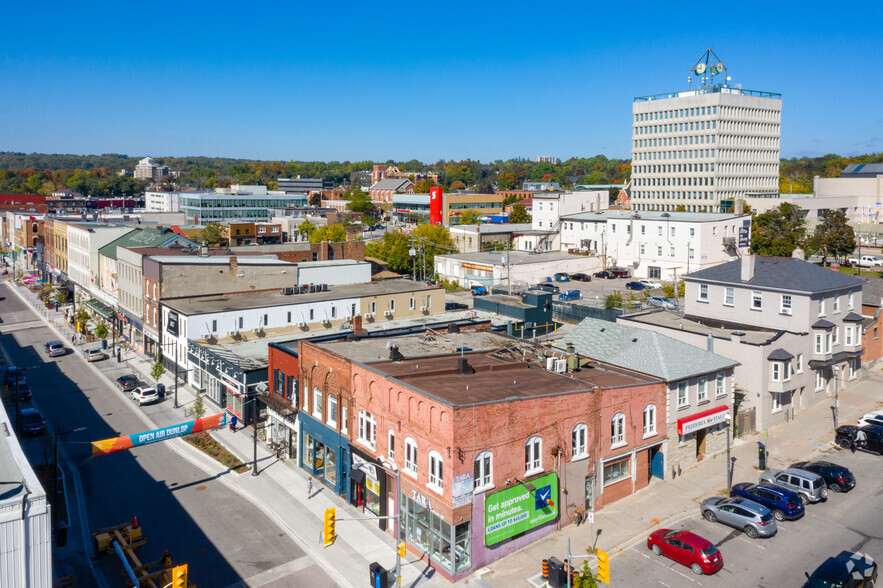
(391, 184)
(872, 292)
(823, 324)
(853, 317)
(778, 273)
(644, 351)
(779, 355)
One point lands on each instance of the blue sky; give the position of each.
(428, 81)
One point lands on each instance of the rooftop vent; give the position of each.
(395, 354)
(463, 366)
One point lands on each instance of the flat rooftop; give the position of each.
(16, 476)
(702, 327)
(220, 260)
(515, 257)
(675, 217)
(245, 300)
(500, 375)
(492, 228)
(425, 345)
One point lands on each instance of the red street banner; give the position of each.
(147, 437)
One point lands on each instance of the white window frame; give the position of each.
(756, 300)
(785, 304)
(617, 430)
(317, 403)
(835, 335)
(836, 304)
(436, 472)
(533, 456)
(819, 345)
(720, 388)
(798, 364)
(849, 301)
(649, 420)
(410, 457)
(332, 414)
(391, 445)
(344, 418)
(822, 306)
(411, 303)
(702, 389)
(775, 402)
(483, 471)
(775, 371)
(579, 448)
(683, 400)
(703, 292)
(852, 369)
(729, 296)
(367, 431)
(820, 381)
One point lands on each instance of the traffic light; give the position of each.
(179, 576)
(329, 535)
(402, 548)
(603, 566)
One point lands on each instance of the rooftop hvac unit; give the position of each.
(302, 324)
(207, 337)
(232, 333)
(550, 364)
(560, 366)
(287, 291)
(257, 330)
(387, 313)
(368, 315)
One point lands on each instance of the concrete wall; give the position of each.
(333, 274)
(180, 280)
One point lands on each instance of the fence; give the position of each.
(574, 313)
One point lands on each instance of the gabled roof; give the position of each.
(644, 351)
(392, 184)
(872, 292)
(142, 238)
(777, 273)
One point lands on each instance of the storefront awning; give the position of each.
(702, 420)
(100, 307)
(357, 476)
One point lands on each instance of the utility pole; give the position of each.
(509, 265)
(176, 373)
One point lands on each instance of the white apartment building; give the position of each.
(147, 169)
(704, 147)
(83, 242)
(548, 208)
(164, 201)
(656, 245)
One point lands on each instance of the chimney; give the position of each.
(463, 366)
(736, 336)
(357, 325)
(709, 343)
(159, 228)
(747, 267)
(395, 354)
(798, 254)
(233, 261)
(739, 207)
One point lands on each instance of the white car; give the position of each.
(872, 418)
(145, 395)
(650, 284)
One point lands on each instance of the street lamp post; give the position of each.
(836, 406)
(730, 463)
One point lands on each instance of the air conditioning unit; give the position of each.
(232, 333)
(326, 321)
(387, 313)
(257, 330)
(550, 364)
(287, 291)
(302, 325)
(422, 309)
(561, 366)
(368, 315)
(207, 337)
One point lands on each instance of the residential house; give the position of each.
(383, 190)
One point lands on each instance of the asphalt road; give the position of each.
(851, 522)
(224, 538)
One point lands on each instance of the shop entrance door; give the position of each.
(656, 459)
(590, 492)
(700, 443)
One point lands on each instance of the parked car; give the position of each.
(650, 284)
(755, 520)
(11, 374)
(55, 349)
(634, 286)
(479, 290)
(456, 306)
(581, 277)
(873, 442)
(31, 421)
(784, 504)
(662, 302)
(546, 287)
(838, 478)
(604, 274)
(562, 277)
(846, 570)
(128, 383)
(872, 418)
(20, 387)
(811, 487)
(570, 295)
(619, 272)
(687, 549)
(145, 395)
(95, 354)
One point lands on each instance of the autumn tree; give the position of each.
(778, 231)
(470, 216)
(392, 248)
(306, 228)
(361, 202)
(212, 234)
(315, 198)
(335, 233)
(519, 214)
(833, 237)
(506, 181)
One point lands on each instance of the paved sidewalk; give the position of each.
(280, 487)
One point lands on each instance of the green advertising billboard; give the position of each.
(515, 510)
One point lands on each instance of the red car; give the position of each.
(687, 549)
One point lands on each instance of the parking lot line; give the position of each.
(750, 542)
(665, 566)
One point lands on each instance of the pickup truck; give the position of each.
(865, 261)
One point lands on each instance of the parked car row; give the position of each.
(30, 421)
(755, 509)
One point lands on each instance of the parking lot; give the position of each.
(852, 521)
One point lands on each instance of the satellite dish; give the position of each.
(700, 69)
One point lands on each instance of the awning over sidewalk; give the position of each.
(100, 307)
(702, 420)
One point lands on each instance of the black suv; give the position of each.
(128, 383)
(846, 570)
(873, 443)
(838, 478)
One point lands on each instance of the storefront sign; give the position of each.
(516, 510)
(475, 266)
(172, 327)
(702, 420)
(421, 500)
(462, 489)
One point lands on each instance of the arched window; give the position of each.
(332, 411)
(366, 428)
(617, 429)
(317, 402)
(436, 472)
(533, 460)
(483, 475)
(410, 457)
(391, 445)
(578, 448)
(650, 419)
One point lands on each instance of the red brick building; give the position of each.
(496, 445)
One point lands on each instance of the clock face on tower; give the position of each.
(700, 69)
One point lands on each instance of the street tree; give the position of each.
(778, 231)
(360, 202)
(306, 228)
(506, 181)
(833, 237)
(435, 240)
(315, 199)
(334, 233)
(392, 248)
(157, 370)
(212, 234)
(519, 214)
(470, 217)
